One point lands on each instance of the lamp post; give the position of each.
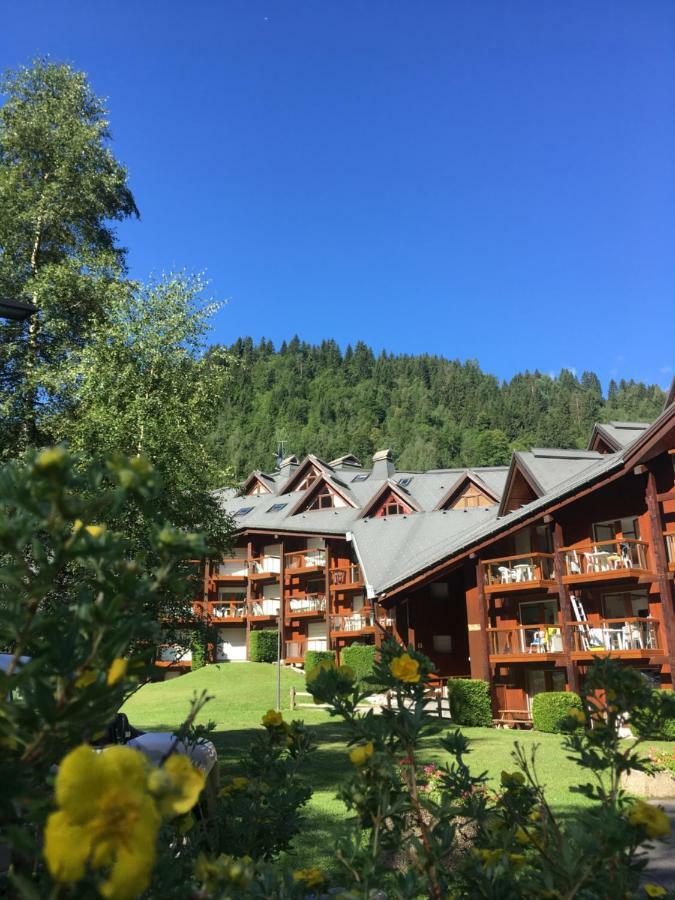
(16, 310)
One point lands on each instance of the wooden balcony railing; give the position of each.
(233, 567)
(264, 607)
(305, 559)
(346, 575)
(228, 610)
(311, 603)
(353, 622)
(518, 570)
(669, 538)
(615, 635)
(265, 565)
(605, 558)
(297, 649)
(525, 639)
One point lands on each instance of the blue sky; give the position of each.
(489, 180)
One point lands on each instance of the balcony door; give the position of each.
(539, 681)
(608, 532)
(536, 612)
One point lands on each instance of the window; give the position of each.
(244, 511)
(307, 481)
(325, 499)
(275, 507)
(404, 482)
(393, 507)
(361, 477)
(608, 531)
(627, 604)
(471, 498)
(258, 488)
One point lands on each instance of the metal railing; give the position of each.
(267, 606)
(615, 635)
(226, 609)
(233, 567)
(305, 559)
(520, 639)
(346, 575)
(601, 557)
(519, 569)
(265, 565)
(354, 622)
(310, 603)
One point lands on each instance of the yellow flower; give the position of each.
(517, 860)
(50, 458)
(359, 756)
(522, 836)
(117, 670)
(490, 857)
(106, 818)
(77, 525)
(655, 890)
(652, 819)
(239, 783)
(176, 786)
(311, 877)
(405, 668)
(574, 713)
(96, 531)
(512, 779)
(272, 719)
(324, 665)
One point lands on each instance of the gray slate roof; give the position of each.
(620, 434)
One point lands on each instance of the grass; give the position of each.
(243, 692)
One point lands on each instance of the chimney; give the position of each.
(383, 465)
(288, 465)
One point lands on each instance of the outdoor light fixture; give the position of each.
(17, 310)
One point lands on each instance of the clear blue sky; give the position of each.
(490, 180)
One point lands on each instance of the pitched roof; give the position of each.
(616, 435)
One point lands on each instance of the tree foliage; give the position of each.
(431, 411)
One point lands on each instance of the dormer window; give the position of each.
(393, 507)
(257, 488)
(307, 481)
(325, 499)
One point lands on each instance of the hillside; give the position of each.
(431, 411)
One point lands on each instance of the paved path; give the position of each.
(661, 867)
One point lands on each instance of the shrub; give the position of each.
(314, 657)
(263, 645)
(361, 658)
(198, 649)
(550, 709)
(645, 728)
(470, 702)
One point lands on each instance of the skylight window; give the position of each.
(275, 507)
(244, 511)
(361, 477)
(404, 482)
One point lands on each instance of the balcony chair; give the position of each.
(625, 557)
(507, 575)
(573, 563)
(538, 643)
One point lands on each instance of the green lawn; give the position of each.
(244, 691)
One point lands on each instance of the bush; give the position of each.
(359, 657)
(549, 710)
(263, 645)
(470, 702)
(314, 657)
(198, 650)
(646, 729)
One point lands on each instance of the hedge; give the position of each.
(314, 657)
(668, 732)
(263, 644)
(549, 709)
(470, 702)
(198, 649)
(359, 657)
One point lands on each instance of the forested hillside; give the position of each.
(430, 410)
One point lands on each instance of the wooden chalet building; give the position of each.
(518, 575)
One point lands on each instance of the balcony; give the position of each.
(526, 572)
(264, 568)
(233, 570)
(305, 561)
(346, 578)
(669, 539)
(634, 637)
(526, 642)
(295, 650)
(264, 608)
(232, 611)
(354, 623)
(309, 605)
(174, 655)
(618, 560)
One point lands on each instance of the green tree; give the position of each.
(61, 190)
(142, 386)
